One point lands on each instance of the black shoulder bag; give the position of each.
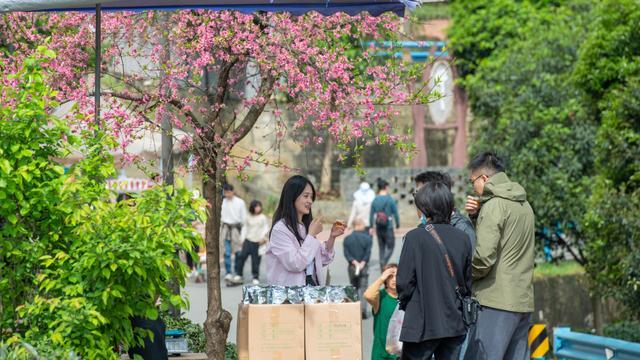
(470, 305)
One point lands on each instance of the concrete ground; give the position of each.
(231, 296)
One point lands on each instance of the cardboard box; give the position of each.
(333, 331)
(270, 332)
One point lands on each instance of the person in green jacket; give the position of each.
(502, 266)
(383, 298)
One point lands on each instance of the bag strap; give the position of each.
(447, 260)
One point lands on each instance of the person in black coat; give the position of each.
(427, 292)
(357, 251)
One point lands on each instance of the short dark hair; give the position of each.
(434, 176)
(227, 187)
(435, 201)
(488, 161)
(253, 205)
(382, 184)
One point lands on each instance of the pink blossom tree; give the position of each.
(212, 74)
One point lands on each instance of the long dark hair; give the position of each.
(286, 207)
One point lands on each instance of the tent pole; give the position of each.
(98, 48)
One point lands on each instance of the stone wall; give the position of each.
(401, 186)
(565, 301)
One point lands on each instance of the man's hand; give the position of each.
(473, 205)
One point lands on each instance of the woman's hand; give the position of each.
(315, 227)
(336, 230)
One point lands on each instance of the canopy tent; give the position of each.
(296, 7)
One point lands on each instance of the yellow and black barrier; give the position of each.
(538, 341)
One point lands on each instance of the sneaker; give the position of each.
(228, 277)
(255, 282)
(237, 279)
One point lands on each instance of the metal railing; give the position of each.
(573, 345)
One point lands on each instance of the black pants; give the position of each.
(360, 282)
(155, 349)
(190, 262)
(386, 243)
(249, 248)
(442, 349)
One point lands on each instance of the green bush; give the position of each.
(231, 352)
(75, 266)
(609, 72)
(195, 332)
(14, 349)
(624, 330)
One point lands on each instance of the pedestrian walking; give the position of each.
(254, 237)
(434, 273)
(383, 215)
(357, 251)
(458, 220)
(361, 207)
(294, 255)
(383, 298)
(502, 263)
(232, 218)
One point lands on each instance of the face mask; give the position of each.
(423, 220)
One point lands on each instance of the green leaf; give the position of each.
(152, 313)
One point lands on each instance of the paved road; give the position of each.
(231, 296)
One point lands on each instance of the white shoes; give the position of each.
(255, 282)
(237, 279)
(228, 277)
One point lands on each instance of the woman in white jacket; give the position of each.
(361, 208)
(255, 236)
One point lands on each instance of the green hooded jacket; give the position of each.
(504, 255)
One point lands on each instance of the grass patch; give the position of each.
(561, 269)
(431, 11)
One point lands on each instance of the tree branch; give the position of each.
(266, 88)
(222, 90)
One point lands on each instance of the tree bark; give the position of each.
(598, 316)
(325, 175)
(218, 321)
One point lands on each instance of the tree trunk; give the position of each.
(325, 175)
(167, 150)
(216, 326)
(598, 318)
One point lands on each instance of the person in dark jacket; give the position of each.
(431, 280)
(458, 220)
(357, 250)
(383, 216)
